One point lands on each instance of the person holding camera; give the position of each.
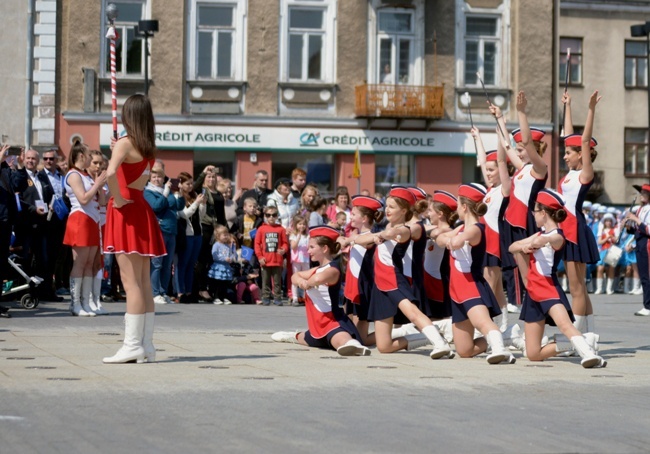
(642, 222)
(12, 182)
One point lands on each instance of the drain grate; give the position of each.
(213, 367)
(538, 365)
(333, 357)
(184, 357)
(20, 358)
(382, 367)
(108, 334)
(63, 379)
(607, 376)
(234, 335)
(40, 367)
(9, 349)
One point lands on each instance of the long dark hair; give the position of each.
(137, 118)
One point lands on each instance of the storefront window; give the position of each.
(392, 169)
(319, 168)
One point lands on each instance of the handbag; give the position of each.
(613, 255)
(60, 208)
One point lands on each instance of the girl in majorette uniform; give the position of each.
(359, 277)
(495, 171)
(529, 178)
(392, 298)
(640, 221)
(473, 302)
(442, 215)
(545, 301)
(607, 237)
(580, 248)
(329, 327)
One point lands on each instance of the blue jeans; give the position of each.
(161, 267)
(186, 262)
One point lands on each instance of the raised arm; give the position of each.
(502, 164)
(587, 173)
(480, 151)
(539, 166)
(568, 120)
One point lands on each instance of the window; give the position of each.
(575, 72)
(481, 49)
(636, 64)
(636, 152)
(129, 48)
(395, 37)
(308, 53)
(319, 168)
(216, 40)
(392, 169)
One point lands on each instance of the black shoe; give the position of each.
(4, 312)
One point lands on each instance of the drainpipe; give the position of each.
(30, 74)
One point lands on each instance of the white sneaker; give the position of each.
(285, 336)
(353, 348)
(218, 301)
(637, 291)
(227, 302)
(159, 299)
(512, 309)
(643, 312)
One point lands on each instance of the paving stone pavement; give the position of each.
(221, 385)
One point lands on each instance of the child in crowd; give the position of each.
(247, 222)
(246, 276)
(220, 275)
(270, 246)
(299, 241)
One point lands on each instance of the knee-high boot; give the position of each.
(147, 340)
(76, 307)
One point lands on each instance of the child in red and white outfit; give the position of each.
(545, 301)
(271, 244)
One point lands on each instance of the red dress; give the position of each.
(133, 228)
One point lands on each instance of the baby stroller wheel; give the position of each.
(29, 301)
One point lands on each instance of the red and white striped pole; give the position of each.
(111, 13)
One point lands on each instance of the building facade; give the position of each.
(605, 57)
(275, 84)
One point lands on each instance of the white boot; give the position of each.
(512, 338)
(610, 286)
(416, 341)
(565, 283)
(627, 285)
(445, 329)
(589, 357)
(353, 348)
(504, 319)
(86, 289)
(599, 286)
(638, 289)
(95, 302)
(76, 307)
(147, 339)
(403, 330)
(441, 348)
(499, 353)
(592, 340)
(580, 323)
(132, 349)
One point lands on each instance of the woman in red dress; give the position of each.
(132, 230)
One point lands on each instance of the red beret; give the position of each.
(368, 202)
(645, 187)
(402, 192)
(575, 140)
(420, 194)
(491, 155)
(473, 191)
(326, 231)
(446, 198)
(550, 198)
(537, 134)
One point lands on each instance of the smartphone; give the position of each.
(14, 150)
(175, 183)
(204, 192)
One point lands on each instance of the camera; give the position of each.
(14, 150)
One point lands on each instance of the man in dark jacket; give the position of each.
(259, 192)
(12, 182)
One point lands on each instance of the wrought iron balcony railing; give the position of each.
(399, 101)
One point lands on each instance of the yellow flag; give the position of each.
(356, 172)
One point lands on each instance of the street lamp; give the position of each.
(638, 31)
(146, 29)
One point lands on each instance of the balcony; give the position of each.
(399, 101)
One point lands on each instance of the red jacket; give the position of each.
(268, 239)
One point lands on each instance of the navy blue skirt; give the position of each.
(508, 235)
(586, 251)
(360, 310)
(532, 311)
(345, 325)
(487, 299)
(438, 310)
(384, 305)
(491, 260)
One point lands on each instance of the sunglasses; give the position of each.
(270, 215)
(48, 159)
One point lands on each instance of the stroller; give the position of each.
(29, 300)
